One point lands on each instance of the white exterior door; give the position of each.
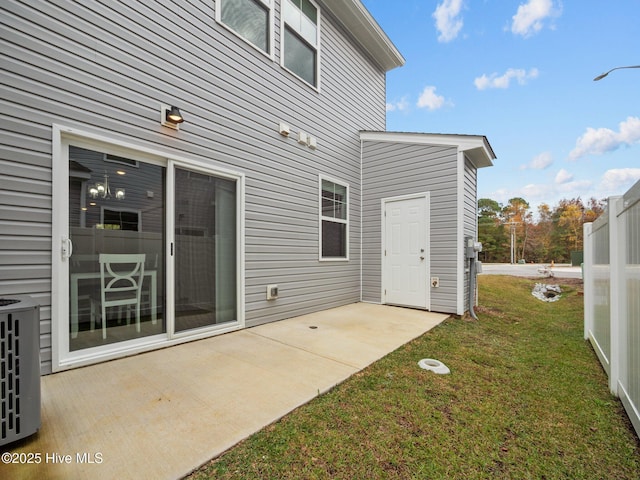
(406, 251)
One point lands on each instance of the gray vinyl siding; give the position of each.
(470, 214)
(393, 169)
(106, 66)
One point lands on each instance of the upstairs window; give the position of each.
(301, 39)
(334, 220)
(250, 19)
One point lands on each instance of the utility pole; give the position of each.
(512, 230)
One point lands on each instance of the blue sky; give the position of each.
(521, 72)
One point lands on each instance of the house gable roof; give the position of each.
(366, 31)
(476, 147)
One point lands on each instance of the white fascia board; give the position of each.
(366, 31)
(461, 260)
(476, 147)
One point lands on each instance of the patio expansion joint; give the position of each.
(311, 352)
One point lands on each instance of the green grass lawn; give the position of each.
(526, 398)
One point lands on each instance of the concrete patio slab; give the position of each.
(164, 413)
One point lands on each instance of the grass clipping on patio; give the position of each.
(526, 398)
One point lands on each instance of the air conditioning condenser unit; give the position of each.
(19, 368)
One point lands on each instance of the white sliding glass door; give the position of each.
(116, 229)
(204, 250)
(147, 251)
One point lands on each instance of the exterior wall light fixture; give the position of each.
(170, 116)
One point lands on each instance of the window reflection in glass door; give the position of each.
(117, 228)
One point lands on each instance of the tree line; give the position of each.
(510, 233)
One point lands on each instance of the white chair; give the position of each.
(85, 302)
(146, 300)
(121, 278)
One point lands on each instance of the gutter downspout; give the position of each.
(472, 286)
(470, 252)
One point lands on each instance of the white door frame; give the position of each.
(62, 137)
(427, 263)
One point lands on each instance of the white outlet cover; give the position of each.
(270, 289)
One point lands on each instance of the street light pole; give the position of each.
(513, 237)
(601, 76)
(512, 231)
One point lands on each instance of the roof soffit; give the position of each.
(364, 28)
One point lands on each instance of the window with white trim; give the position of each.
(301, 39)
(334, 220)
(250, 19)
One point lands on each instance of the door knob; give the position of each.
(421, 257)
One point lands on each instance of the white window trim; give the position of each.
(332, 219)
(62, 137)
(317, 46)
(269, 5)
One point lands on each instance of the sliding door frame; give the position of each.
(62, 137)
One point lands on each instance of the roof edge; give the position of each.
(355, 17)
(477, 147)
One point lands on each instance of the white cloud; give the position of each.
(574, 188)
(530, 16)
(602, 140)
(448, 22)
(563, 177)
(530, 193)
(429, 99)
(618, 180)
(503, 81)
(400, 105)
(539, 162)
(501, 195)
(549, 193)
(533, 191)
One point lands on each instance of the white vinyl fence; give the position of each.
(612, 296)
